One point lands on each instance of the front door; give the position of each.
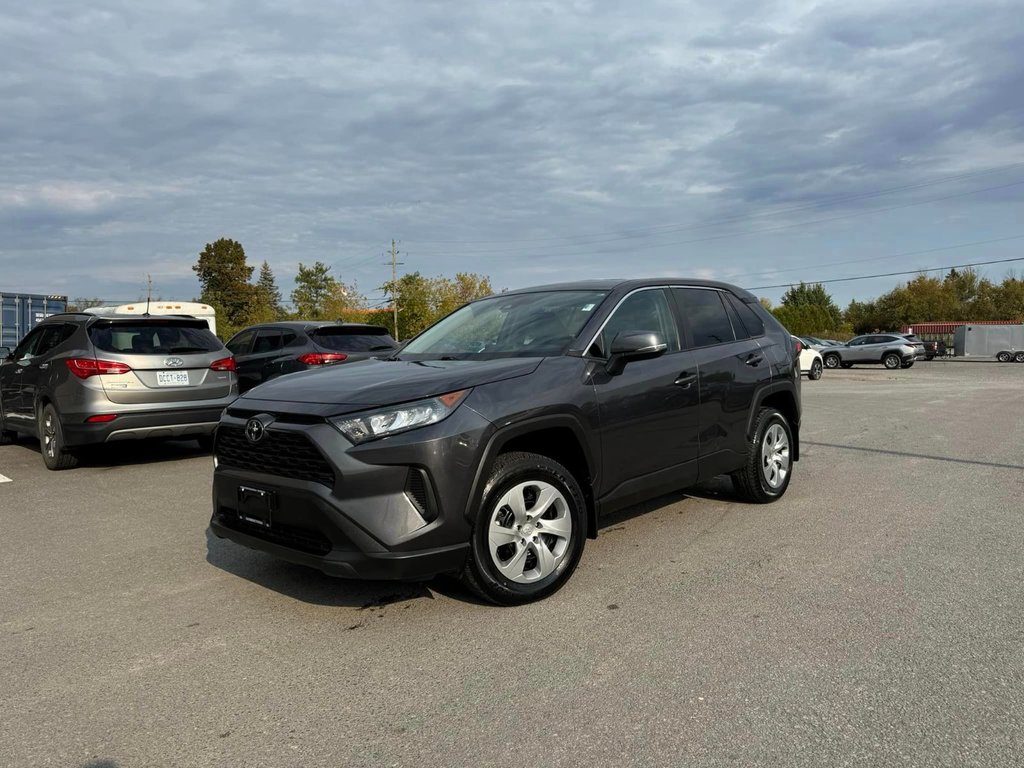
(648, 412)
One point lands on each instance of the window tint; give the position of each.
(27, 347)
(705, 316)
(642, 311)
(267, 341)
(342, 339)
(748, 316)
(241, 342)
(152, 339)
(53, 336)
(859, 341)
(287, 337)
(738, 328)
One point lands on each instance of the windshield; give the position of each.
(518, 325)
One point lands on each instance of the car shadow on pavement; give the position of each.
(128, 453)
(311, 586)
(907, 454)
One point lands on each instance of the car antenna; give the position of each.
(149, 293)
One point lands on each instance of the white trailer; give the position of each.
(1003, 342)
(187, 308)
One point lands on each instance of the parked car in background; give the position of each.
(489, 445)
(78, 379)
(264, 352)
(811, 363)
(889, 349)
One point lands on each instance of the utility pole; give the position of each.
(395, 264)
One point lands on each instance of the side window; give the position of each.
(860, 340)
(705, 316)
(240, 344)
(267, 341)
(738, 328)
(287, 337)
(646, 310)
(52, 336)
(27, 348)
(747, 315)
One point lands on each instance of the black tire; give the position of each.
(892, 361)
(832, 360)
(815, 373)
(511, 471)
(1019, 357)
(907, 365)
(750, 481)
(56, 456)
(1004, 357)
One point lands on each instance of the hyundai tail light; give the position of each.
(224, 364)
(84, 367)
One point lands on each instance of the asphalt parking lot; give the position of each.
(874, 616)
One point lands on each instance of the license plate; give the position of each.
(255, 505)
(172, 378)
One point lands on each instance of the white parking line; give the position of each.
(4, 479)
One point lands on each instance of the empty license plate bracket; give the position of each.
(256, 505)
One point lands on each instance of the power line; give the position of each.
(882, 258)
(889, 274)
(779, 228)
(666, 228)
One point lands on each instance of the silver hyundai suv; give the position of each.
(78, 379)
(893, 350)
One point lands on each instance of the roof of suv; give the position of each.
(611, 284)
(308, 324)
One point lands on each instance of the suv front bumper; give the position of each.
(393, 508)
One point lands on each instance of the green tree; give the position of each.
(314, 286)
(424, 300)
(266, 306)
(78, 304)
(814, 295)
(224, 276)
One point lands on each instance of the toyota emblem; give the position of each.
(174, 362)
(254, 430)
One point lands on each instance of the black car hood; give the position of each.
(369, 383)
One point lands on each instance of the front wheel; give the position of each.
(529, 532)
(892, 361)
(765, 476)
(815, 373)
(832, 360)
(51, 441)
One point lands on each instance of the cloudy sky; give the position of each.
(753, 141)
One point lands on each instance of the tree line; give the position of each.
(809, 310)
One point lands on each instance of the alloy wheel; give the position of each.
(775, 456)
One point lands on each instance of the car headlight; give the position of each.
(398, 418)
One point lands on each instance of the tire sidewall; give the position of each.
(58, 434)
(815, 373)
(504, 478)
(832, 360)
(888, 358)
(774, 417)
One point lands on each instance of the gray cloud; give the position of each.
(136, 132)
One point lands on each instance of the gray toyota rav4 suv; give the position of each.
(490, 445)
(78, 379)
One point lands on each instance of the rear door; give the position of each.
(169, 360)
(731, 365)
(266, 349)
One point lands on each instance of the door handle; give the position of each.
(685, 379)
(755, 359)
(18, 371)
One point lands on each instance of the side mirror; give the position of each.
(634, 345)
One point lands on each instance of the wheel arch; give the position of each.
(561, 438)
(783, 400)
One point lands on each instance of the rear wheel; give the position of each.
(529, 531)
(1004, 357)
(815, 373)
(832, 360)
(892, 361)
(51, 441)
(908, 365)
(1019, 357)
(768, 469)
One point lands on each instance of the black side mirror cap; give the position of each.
(634, 345)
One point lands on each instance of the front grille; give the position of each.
(285, 454)
(302, 539)
(280, 416)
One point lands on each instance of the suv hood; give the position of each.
(369, 383)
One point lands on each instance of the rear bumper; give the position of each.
(182, 423)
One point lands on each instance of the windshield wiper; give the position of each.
(378, 348)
